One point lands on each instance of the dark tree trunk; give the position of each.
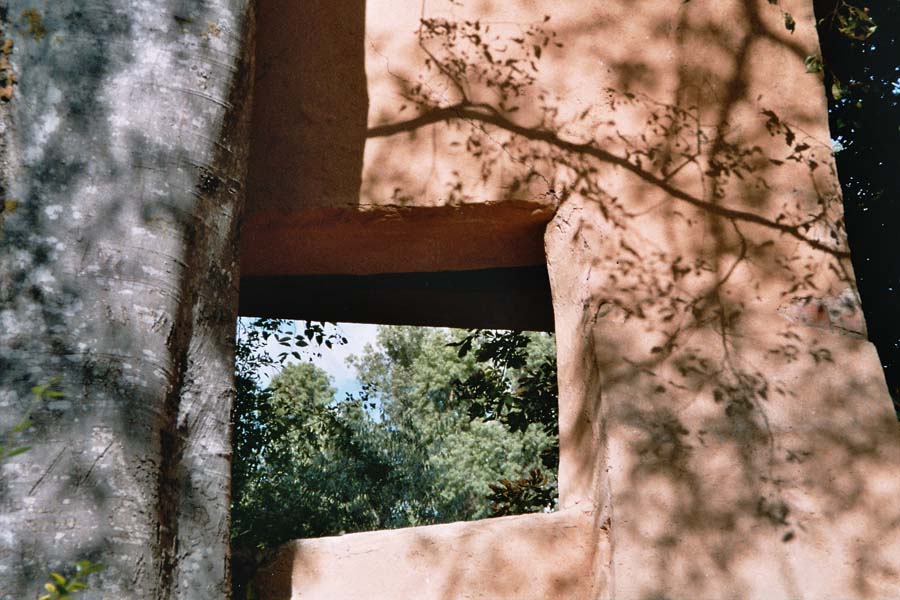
(123, 162)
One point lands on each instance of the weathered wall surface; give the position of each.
(722, 415)
(338, 125)
(529, 557)
(712, 350)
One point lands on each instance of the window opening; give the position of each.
(346, 428)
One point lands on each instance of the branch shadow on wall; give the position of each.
(702, 212)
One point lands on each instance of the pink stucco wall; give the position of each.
(726, 430)
(489, 559)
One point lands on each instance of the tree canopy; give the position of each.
(444, 429)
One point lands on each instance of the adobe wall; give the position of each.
(528, 557)
(725, 428)
(330, 193)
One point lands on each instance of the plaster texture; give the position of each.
(528, 557)
(725, 428)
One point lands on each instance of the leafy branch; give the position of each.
(62, 588)
(40, 393)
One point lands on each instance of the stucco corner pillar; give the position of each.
(720, 404)
(735, 440)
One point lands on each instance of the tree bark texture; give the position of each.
(123, 162)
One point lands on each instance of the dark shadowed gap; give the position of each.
(863, 90)
(508, 298)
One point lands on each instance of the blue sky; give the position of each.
(334, 360)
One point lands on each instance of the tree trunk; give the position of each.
(123, 162)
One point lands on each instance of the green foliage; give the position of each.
(407, 450)
(453, 452)
(850, 20)
(8, 449)
(845, 18)
(514, 382)
(813, 64)
(841, 18)
(311, 470)
(61, 587)
(528, 494)
(280, 432)
(8, 452)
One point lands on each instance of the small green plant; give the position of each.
(62, 588)
(6, 452)
(8, 449)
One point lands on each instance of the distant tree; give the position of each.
(407, 450)
(514, 382)
(311, 467)
(280, 431)
(451, 454)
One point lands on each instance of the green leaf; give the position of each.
(17, 451)
(86, 567)
(58, 578)
(856, 23)
(837, 91)
(25, 424)
(813, 64)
